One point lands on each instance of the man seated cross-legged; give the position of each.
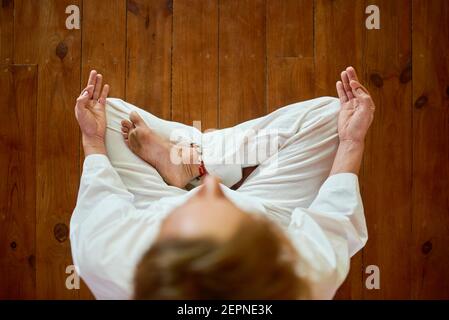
(268, 209)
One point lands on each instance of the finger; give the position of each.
(98, 84)
(85, 94)
(347, 87)
(341, 92)
(352, 74)
(82, 99)
(359, 90)
(104, 94)
(92, 78)
(89, 89)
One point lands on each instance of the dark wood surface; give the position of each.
(222, 62)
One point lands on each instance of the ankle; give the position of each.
(191, 170)
(191, 161)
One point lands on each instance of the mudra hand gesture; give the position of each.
(357, 108)
(91, 114)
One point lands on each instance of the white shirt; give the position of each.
(109, 234)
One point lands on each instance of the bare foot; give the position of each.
(155, 150)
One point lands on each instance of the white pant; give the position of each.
(306, 143)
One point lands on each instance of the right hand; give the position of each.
(357, 108)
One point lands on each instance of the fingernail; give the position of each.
(85, 93)
(360, 91)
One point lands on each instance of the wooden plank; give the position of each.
(339, 34)
(290, 52)
(195, 62)
(430, 231)
(18, 105)
(290, 28)
(6, 31)
(387, 162)
(290, 80)
(104, 43)
(41, 37)
(149, 43)
(242, 62)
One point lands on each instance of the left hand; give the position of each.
(357, 108)
(90, 109)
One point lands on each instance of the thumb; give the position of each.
(358, 90)
(85, 95)
(82, 99)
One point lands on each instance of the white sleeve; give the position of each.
(107, 233)
(329, 233)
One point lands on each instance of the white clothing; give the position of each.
(122, 200)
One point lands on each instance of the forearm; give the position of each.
(93, 145)
(99, 181)
(348, 158)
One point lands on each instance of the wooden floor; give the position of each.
(222, 62)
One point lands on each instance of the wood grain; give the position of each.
(339, 36)
(18, 184)
(290, 80)
(290, 28)
(195, 63)
(6, 31)
(290, 52)
(430, 230)
(104, 43)
(387, 160)
(242, 65)
(149, 55)
(57, 52)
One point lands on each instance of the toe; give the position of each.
(136, 119)
(127, 124)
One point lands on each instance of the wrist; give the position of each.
(351, 146)
(93, 145)
(348, 158)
